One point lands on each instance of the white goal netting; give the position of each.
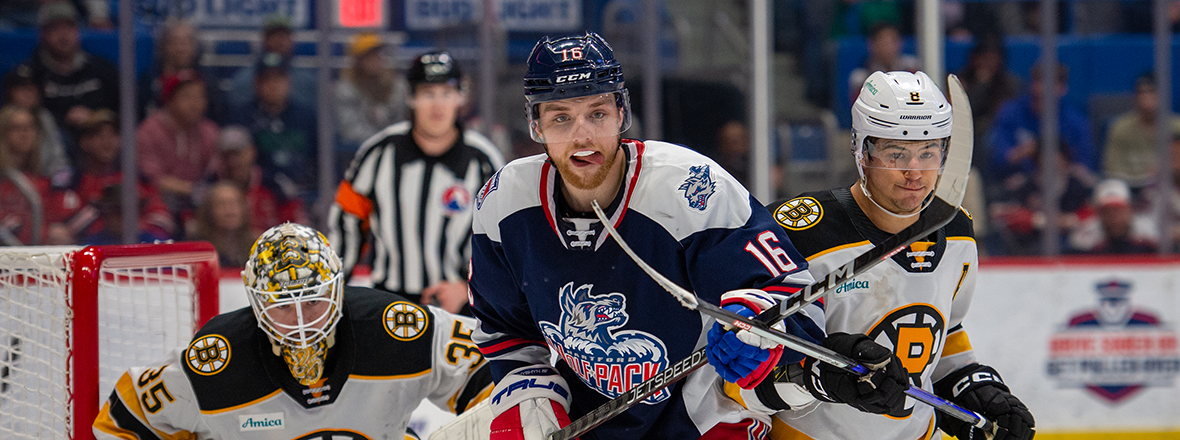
(53, 340)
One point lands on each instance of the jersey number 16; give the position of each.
(782, 263)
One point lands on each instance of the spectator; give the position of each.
(368, 96)
(989, 84)
(109, 207)
(177, 50)
(178, 144)
(861, 17)
(222, 220)
(29, 210)
(277, 37)
(20, 89)
(1016, 132)
(1017, 211)
(1130, 152)
(17, 14)
(270, 203)
(284, 130)
(73, 82)
(98, 142)
(884, 45)
(1114, 227)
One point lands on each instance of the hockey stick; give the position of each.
(943, 208)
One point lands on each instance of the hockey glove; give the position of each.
(742, 357)
(979, 388)
(529, 403)
(882, 391)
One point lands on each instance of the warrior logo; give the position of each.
(488, 187)
(1115, 350)
(698, 187)
(916, 333)
(608, 360)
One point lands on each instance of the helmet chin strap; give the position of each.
(865, 188)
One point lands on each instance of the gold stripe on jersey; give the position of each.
(396, 376)
(956, 343)
(733, 391)
(838, 248)
(483, 394)
(961, 238)
(107, 425)
(782, 431)
(237, 407)
(963, 276)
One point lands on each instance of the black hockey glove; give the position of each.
(979, 388)
(880, 392)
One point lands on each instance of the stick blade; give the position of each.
(952, 185)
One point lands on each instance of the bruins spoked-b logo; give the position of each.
(405, 321)
(799, 213)
(207, 355)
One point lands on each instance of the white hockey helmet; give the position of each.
(293, 271)
(899, 105)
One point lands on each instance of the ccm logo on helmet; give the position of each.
(903, 117)
(573, 77)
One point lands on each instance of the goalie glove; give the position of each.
(529, 403)
(743, 357)
(882, 391)
(979, 388)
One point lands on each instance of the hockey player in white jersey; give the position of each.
(546, 278)
(309, 359)
(914, 304)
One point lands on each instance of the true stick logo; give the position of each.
(260, 422)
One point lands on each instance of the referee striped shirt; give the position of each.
(417, 209)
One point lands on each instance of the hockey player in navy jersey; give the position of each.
(309, 359)
(546, 279)
(909, 309)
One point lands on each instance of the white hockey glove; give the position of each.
(529, 403)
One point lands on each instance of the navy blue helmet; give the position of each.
(571, 67)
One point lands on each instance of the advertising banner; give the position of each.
(1089, 347)
(514, 15)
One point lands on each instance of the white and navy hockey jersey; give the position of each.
(546, 279)
(389, 354)
(913, 303)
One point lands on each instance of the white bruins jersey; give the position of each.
(389, 354)
(914, 303)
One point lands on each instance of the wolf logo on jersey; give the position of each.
(610, 362)
(698, 187)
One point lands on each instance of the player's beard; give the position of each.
(571, 176)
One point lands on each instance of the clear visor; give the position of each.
(299, 317)
(584, 119)
(905, 154)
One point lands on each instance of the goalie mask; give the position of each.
(296, 290)
(579, 67)
(894, 113)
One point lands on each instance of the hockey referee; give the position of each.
(410, 188)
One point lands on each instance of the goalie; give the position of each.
(310, 358)
(904, 315)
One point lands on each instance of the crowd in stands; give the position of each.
(214, 165)
(220, 159)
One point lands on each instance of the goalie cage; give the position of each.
(73, 319)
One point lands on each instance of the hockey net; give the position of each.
(73, 319)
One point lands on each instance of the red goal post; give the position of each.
(72, 319)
